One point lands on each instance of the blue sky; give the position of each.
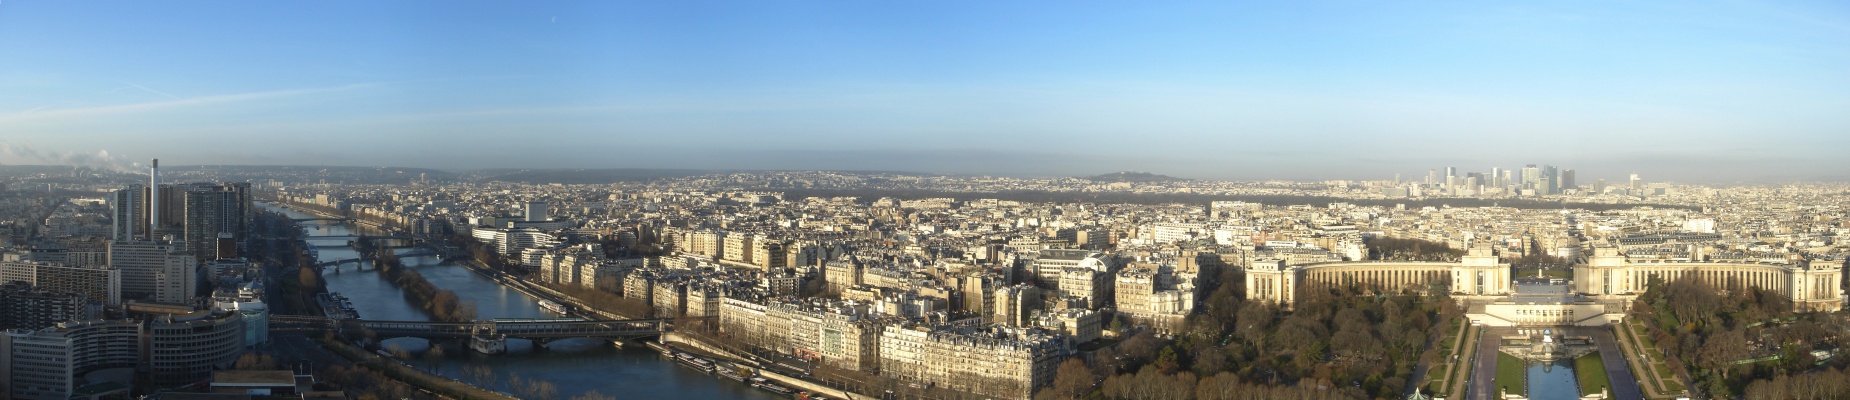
(1692, 91)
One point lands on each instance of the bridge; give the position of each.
(538, 330)
(531, 329)
(338, 263)
(342, 219)
(357, 237)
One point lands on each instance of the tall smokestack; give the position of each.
(154, 198)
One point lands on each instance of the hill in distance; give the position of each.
(586, 176)
(1131, 177)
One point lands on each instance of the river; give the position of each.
(574, 366)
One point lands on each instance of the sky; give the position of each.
(1676, 90)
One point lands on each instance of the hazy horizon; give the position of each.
(1673, 91)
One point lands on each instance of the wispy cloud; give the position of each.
(147, 89)
(176, 102)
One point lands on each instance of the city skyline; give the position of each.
(1708, 93)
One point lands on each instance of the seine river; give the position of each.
(574, 366)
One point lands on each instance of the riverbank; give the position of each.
(574, 368)
(701, 348)
(327, 212)
(395, 370)
(441, 385)
(573, 372)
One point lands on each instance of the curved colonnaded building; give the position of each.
(1599, 294)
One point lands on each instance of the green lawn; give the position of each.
(1642, 339)
(1511, 372)
(1590, 370)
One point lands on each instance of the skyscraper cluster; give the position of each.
(1531, 180)
(162, 232)
(206, 220)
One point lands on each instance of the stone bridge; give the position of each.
(539, 330)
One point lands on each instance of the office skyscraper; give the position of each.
(213, 212)
(1550, 182)
(1567, 180)
(154, 200)
(130, 219)
(1531, 178)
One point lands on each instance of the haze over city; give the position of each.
(593, 200)
(1709, 92)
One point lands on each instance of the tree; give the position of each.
(254, 361)
(1254, 320)
(465, 311)
(310, 280)
(1072, 380)
(1721, 350)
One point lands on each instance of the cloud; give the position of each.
(101, 159)
(89, 112)
(149, 90)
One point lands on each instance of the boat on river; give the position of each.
(772, 387)
(552, 307)
(734, 373)
(488, 344)
(695, 362)
(336, 306)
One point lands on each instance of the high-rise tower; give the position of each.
(130, 219)
(154, 197)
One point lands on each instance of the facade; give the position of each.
(1478, 274)
(1155, 295)
(1812, 286)
(669, 296)
(738, 248)
(215, 211)
(129, 216)
(703, 300)
(979, 293)
(1015, 305)
(1090, 287)
(706, 243)
(510, 241)
(841, 274)
(95, 283)
(1080, 324)
(1051, 262)
(842, 334)
(768, 254)
(186, 348)
(24, 307)
(1002, 362)
(46, 364)
(155, 270)
(536, 212)
(742, 319)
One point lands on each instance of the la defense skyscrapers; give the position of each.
(1531, 180)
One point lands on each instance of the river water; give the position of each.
(574, 366)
